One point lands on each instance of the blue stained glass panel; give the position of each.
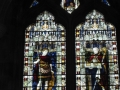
(35, 2)
(106, 2)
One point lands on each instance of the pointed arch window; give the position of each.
(45, 55)
(96, 54)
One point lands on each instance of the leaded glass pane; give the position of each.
(45, 55)
(34, 3)
(96, 54)
(106, 2)
(70, 5)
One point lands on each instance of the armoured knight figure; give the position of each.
(46, 76)
(96, 68)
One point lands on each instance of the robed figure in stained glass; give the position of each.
(45, 75)
(96, 59)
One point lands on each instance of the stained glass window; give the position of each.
(34, 3)
(70, 5)
(45, 55)
(96, 54)
(106, 2)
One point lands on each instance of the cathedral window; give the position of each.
(96, 54)
(45, 54)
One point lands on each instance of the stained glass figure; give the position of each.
(106, 2)
(96, 54)
(70, 5)
(34, 3)
(45, 55)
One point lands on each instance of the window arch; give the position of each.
(45, 54)
(96, 54)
